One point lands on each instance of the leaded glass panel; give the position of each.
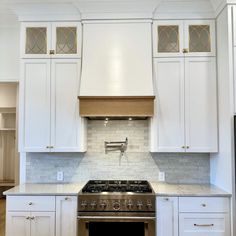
(36, 40)
(66, 40)
(168, 38)
(199, 38)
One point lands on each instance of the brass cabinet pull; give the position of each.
(183, 147)
(204, 205)
(32, 218)
(30, 203)
(187, 147)
(51, 52)
(67, 198)
(203, 225)
(167, 199)
(27, 218)
(185, 50)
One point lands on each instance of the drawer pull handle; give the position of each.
(167, 199)
(67, 198)
(30, 203)
(204, 225)
(32, 218)
(27, 218)
(204, 205)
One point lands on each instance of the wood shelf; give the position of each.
(7, 129)
(7, 110)
(7, 183)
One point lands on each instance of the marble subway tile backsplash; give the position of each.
(137, 164)
(178, 168)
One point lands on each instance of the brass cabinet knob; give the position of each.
(32, 218)
(51, 52)
(27, 218)
(183, 147)
(185, 50)
(187, 147)
(203, 205)
(67, 198)
(30, 203)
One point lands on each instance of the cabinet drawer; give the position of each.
(203, 204)
(30, 203)
(204, 224)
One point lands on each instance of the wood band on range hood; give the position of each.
(114, 106)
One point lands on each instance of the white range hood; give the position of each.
(116, 64)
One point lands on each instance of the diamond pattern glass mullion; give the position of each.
(66, 40)
(199, 38)
(168, 39)
(36, 40)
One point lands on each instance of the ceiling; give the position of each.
(10, 9)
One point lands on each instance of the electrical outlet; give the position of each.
(161, 176)
(60, 176)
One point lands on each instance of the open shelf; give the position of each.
(7, 110)
(7, 183)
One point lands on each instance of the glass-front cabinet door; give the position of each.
(35, 40)
(199, 38)
(66, 39)
(51, 40)
(184, 38)
(168, 38)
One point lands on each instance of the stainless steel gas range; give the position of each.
(114, 208)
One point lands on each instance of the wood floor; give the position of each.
(2, 216)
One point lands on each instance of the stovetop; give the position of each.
(117, 186)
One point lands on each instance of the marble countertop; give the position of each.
(161, 189)
(46, 189)
(195, 190)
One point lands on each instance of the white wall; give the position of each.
(222, 163)
(9, 53)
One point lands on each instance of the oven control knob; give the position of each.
(116, 206)
(149, 205)
(103, 205)
(130, 205)
(93, 204)
(139, 205)
(84, 204)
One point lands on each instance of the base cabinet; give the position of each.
(41, 216)
(66, 216)
(30, 224)
(193, 216)
(203, 224)
(167, 215)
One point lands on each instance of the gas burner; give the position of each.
(111, 186)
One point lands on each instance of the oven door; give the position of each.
(116, 226)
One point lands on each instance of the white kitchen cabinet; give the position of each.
(167, 216)
(184, 38)
(201, 105)
(195, 224)
(169, 73)
(30, 224)
(50, 120)
(18, 223)
(66, 216)
(186, 111)
(51, 40)
(35, 106)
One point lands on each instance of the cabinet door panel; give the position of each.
(18, 224)
(170, 104)
(66, 39)
(201, 105)
(167, 216)
(43, 224)
(168, 38)
(66, 220)
(204, 224)
(199, 38)
(35, 40)
(65, 127)
(36, 102)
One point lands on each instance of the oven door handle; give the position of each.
(115, 217)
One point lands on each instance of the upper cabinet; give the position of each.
(51, 40)
(184, 38)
